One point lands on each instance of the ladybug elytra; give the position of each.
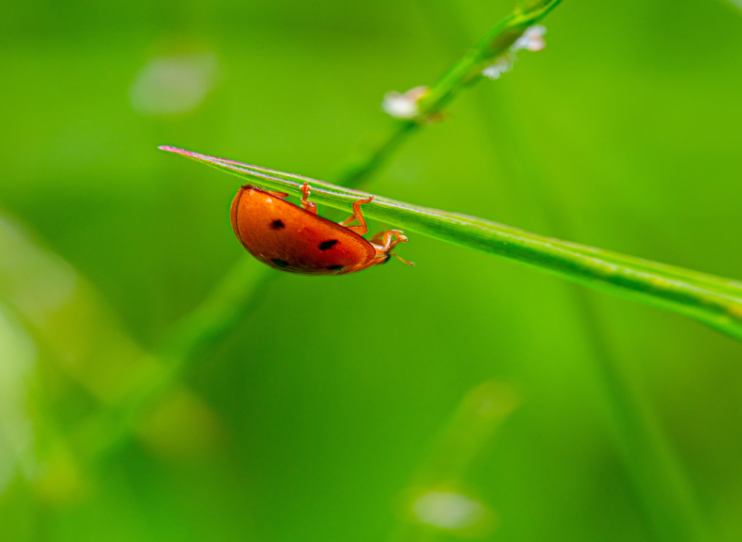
(296, 239)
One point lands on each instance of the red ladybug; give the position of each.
(295, 239)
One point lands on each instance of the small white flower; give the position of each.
(404, 105)
(531, 40)
(494, 71)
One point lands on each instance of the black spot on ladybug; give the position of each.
(387, 258)
(327, 245)
(334, 267)
(280, 263)
(277, 224)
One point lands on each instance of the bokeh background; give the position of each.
(466, 398)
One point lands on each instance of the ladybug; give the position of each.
(295, 239)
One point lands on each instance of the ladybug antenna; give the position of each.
(406, 262)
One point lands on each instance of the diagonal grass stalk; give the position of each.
(714, 301)
(465, 72)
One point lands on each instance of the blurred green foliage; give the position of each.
(324, 415)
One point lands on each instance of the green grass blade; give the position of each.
(714, 301)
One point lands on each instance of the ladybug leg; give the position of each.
(305, 203)
(357, 215)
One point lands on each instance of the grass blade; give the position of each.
(714, 301)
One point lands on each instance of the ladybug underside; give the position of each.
(295, 239)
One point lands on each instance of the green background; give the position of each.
(335, 401)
